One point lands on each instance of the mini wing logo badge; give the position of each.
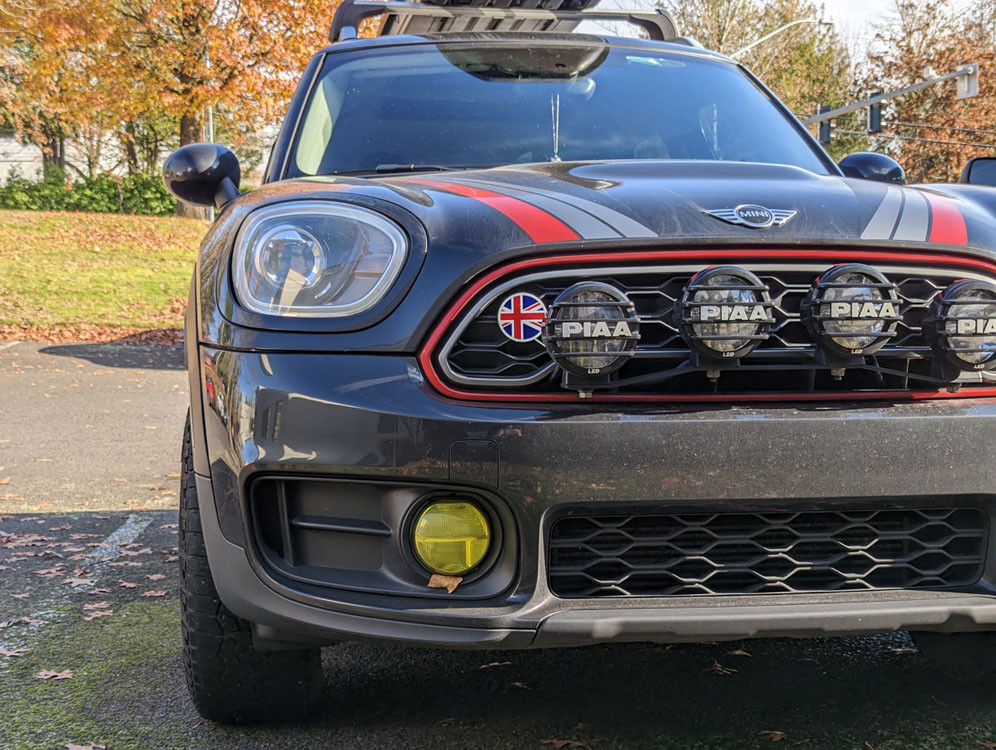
(753, 216)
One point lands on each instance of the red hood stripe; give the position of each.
(947, 224)
(537, 223)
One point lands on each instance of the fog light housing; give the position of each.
(961, 325)
(852, 310)
(451, 537)
(592, 329)
(724, 312)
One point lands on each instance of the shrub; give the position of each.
(103, 193)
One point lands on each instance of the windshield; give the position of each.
(453, 105)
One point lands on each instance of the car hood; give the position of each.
(605, 202)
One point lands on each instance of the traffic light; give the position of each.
(875, 116)
(825, 126)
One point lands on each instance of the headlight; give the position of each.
(451, 537)
(592, 329)
(316, 259)
(724, 312)
(961, 325)
(852, 309)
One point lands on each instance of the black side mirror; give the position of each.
(205, 174)
(866, 165)
(980, 171)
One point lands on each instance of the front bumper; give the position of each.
(372, 418)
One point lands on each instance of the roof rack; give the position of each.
(490, 15)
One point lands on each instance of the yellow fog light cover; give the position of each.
(451, 537)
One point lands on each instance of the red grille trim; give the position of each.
(427, 352)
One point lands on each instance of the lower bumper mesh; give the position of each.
(746, 553)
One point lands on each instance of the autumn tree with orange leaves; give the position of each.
(72, 65)
(923, 128)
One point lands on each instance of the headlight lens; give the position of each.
(962, 324)
(451, 537)
(316, 259)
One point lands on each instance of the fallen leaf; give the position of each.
(97, 605)
(171, 559)
(155, 577)
(154, 593)
(449, 583)
(773, 734)
(44, 460)
(71, 746)
(12, 652)
(520, 685)
(4, 480)
(126, 585)
(561, 744)
(98, 613)
(173, 474)
(80, 581)
(51, 674)
(495, 664)
(988, 745)
(718, 668)
(25, 595)
(739, 652)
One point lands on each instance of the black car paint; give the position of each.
(363, 373)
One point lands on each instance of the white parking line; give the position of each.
(92, 565)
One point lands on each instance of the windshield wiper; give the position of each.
(404, 168)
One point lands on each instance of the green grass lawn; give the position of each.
(94, 272)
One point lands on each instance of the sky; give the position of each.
(857, 13)
(858, 17)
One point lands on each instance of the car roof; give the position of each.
(535, 38)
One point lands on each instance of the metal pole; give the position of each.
(968, 72)
(210, 137)
(777, 31)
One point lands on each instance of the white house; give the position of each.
(18, 158)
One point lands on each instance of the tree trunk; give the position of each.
(130, 148)
(191, 131)
(53, 154)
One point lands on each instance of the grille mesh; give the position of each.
(745, 553)
(482, 357)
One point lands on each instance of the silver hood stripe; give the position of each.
(915, 220)
(883, 223)
(620, 222)
(586, 225)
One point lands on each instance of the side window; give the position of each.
(319, 122)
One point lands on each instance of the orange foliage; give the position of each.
(71, 64)
(935, 33)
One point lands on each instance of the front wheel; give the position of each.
(229, 681)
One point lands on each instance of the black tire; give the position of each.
(229, 681)
(960, 656)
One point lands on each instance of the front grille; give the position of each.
(474, 355)
(760, 553)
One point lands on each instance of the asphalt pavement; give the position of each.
(90, 641)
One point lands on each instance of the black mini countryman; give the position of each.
(535, 338)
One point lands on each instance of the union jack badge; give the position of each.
(521, 317)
